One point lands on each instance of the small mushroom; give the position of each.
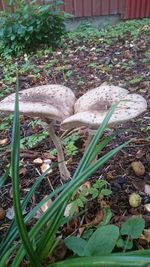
(92, 107)
(51, 103)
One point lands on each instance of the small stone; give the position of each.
(146, 199)
(47, 161)
(38, 161)
(147, 207)
(10, 214)
(135, 200)
(4, 141)
(147, 189)
(2, 213)
(138, 168)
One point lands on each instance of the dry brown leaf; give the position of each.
(44, 167)
(46, 205)
(2, 213)
(147, 234)
(3, 142)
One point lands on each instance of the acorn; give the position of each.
(135, 200)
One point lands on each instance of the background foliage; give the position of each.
(25, 27)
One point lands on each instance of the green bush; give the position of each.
(30, 26)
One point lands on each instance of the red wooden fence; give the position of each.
(128, 9)
(84, 8)
(137, 9)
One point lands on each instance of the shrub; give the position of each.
(25, 27)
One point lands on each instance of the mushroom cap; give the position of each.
(100, 98)
(92, 115)
(53, 101)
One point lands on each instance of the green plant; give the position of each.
(30, 26)
(135, 80)
(33, 140)
(105, 238)
(81, 197)
(70, 144)
(39, 242)
(7, 121)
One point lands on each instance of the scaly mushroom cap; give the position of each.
(91, 108)
(53, 101)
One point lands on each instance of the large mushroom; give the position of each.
(91, 108)
(51, 103)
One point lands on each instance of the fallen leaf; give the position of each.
(46, 205)
(2, 213)
(44, 167)
(4, 141)
(147, 207)
(140, 154)
(147, 234)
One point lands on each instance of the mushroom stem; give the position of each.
(87, 142)
(64, 173)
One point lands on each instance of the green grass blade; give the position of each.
(99, 148)
(15, 156)
(4, 178)
(49, 238)
(104, 261)
(23, 205)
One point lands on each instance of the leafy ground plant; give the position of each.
(38, 243)
(105, 238)
(30, 19)
(81, 197)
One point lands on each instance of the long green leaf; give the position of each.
(49, 238)
(72, 186)
(15, 183)
(108, 261)
(13, 230)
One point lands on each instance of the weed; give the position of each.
(136, 80)
(97, 190)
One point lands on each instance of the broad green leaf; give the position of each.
(103, 241)
(133, 227)
(76, 244)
